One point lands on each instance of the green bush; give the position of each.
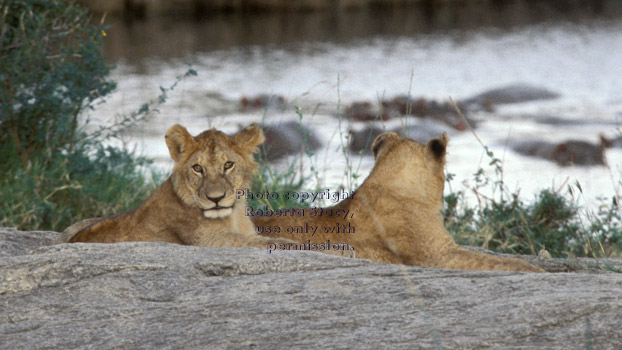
(54, 193)
(551, 222)
(52, 71)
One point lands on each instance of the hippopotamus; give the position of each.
(514, 93)
(263, 101)
(365, 111)
(422, 131)
(611, 142)
(286, 139)
(570, 152)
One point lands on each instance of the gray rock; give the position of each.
(166, 296)
(14, 242)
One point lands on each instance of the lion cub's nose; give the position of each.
(216, 199)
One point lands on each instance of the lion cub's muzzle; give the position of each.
(217, 206)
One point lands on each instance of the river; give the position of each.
(323, 63)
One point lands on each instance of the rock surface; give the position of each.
(165, 296)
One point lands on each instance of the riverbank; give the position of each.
(477, 9)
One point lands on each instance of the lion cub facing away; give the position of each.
(197, 205)
(395, 215)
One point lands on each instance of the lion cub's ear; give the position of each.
(178, 141)
(437, 148)
(249, 138)
(382, 141)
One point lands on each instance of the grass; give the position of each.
(57, 192)
(550, 223)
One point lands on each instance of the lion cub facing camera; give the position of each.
(197, 205)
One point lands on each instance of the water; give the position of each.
(577, 58)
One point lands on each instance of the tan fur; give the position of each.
(197, 205)
(396, 213)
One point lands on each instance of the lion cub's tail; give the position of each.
(73, 230)
(460, 258)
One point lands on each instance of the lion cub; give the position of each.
(394, 216)
(197, 205)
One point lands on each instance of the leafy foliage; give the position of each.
(552, 222)
(56, 192)
(52, 72)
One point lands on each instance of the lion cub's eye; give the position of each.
(228, 165)
(197, 168)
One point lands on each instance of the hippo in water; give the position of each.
(365, 111)
(423, 131)
(286, 139)
(403, 105)
(515, 93)
(263, 101)
(611, 142)
(571, 152)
